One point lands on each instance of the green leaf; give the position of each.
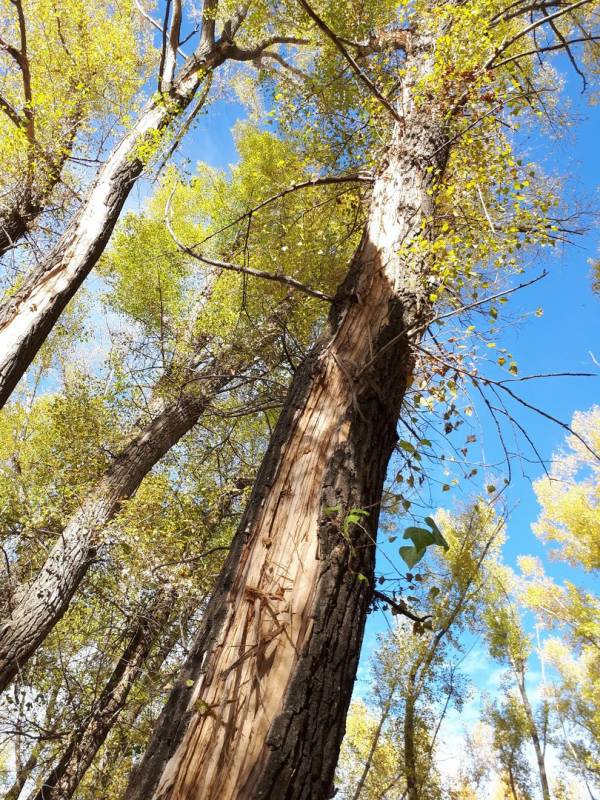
(411, 556)
(407, 446)
(421, 537)
(437, 534)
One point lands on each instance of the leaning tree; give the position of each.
(259, 709)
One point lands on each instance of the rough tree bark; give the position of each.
(40, 605)
(275, 660)
(62, 782)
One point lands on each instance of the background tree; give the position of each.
(417, 678)
(69, 72)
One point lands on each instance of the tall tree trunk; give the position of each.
(40, 605)
(274, 663)
(410, 755)
(372, 749)
(63, 780)
(30, 314)
(533, 731)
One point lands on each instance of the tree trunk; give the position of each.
(369, 760)
(40, 605)
(410, 756)
(24, 773)
(30, 314)
(15, 221)
(63, 780)
(511, 782)
(533, 731)
(274, 663)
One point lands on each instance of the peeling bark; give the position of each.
(274, 662)
(63, 780)
(40, 605)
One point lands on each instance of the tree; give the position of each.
(417, 679)
(511, 731)
(508, 642)
(197, 370)
(66, 69)
(63, 780)
(297, 584)
(569, 517)
(30, 314)
(568, 497)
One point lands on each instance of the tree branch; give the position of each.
(325, 181)
(286, 280)
(399, 608)
(350, 59)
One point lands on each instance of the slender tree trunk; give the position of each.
(410, 756)
(24, 773)
(274, 663)
(533, 731)
(511, 781)
(63, 780)
(29, 316)
(40, 605)
(369, 760)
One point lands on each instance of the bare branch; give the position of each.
(325, 181)
(286, 280)
(546, 49)
(502, 48)
(155, 24)
(399, 607)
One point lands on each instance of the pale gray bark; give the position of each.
(30, 314)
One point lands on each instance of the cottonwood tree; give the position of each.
(568, 611)
(69, 71)
(418, 678)
(510, 738)
(63, 444)
(227, 33)
(259, 708)
(509, 643)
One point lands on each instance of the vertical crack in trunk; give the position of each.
(272, 670)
